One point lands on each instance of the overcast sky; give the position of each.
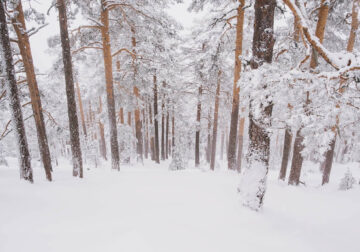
(43, 61)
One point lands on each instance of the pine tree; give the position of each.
(70, 92)
(7, 68)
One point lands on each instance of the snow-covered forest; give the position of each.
(179, 125)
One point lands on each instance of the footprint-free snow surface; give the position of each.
(151, 209)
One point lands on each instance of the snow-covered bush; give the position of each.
(347, 181)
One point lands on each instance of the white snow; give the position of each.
(151, 209)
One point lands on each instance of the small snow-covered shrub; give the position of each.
(347, 181)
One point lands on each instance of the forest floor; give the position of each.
(151, 209)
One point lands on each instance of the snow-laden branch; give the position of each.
(331, 58)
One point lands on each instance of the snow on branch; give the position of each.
(335, 60)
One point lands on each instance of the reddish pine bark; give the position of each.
(114, 146)
(235, 104)
(25, 50)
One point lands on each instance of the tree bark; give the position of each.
(236, 90)
(152, 140)
(156, 124)
(259, 141)
(297, 160)
(222, 145)
(354, 25)
(163, 130)
(320, 30)
(70, 92)
(81, 109)
(208, 146)
(197, 134)
(102, 142)
(216, 114)
(7, 68)
(114, 146)
(285, 154)
(25, 50)
(167, 136)
(173, 132)
(240, 144)
(138, 128)
(145, 118)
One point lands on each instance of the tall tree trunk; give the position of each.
(152, 140)
(25, 50)
(208, 146)
(121, 115)
(114, 146)
(240, 144)
(7, 69)
(215, 126)
(102, 142)
(145, 118)
(285, 154)
(255, 173)
(222, 145)
(167, 136)
(156, 124)
(70, 92)
(81, 109)
(163, 130)
(297, 160)
(138, 122)
(197, 134)
(138, 127)
(236, 90)
(173, 132)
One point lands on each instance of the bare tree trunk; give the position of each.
(121, 115)
(235, 104)
(208, 146)
(145, 118)
(138, 126)
(297, 160)
(114, 146)
(285, 154)
(102, 143)
(328, 162)
(70, 92)
(25, 50)
(163, 130)
(197, 134)
(259, 141)
(7, 69)
(167, 136)
(215, 126)
(81, 109)
(222, 145)
(156, 124)
(240, 144)
(173, 132)
(152, 140)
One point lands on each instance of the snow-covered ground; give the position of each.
(151, 209)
